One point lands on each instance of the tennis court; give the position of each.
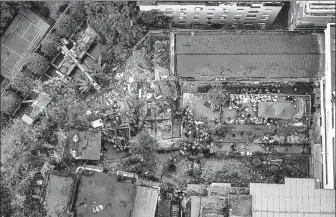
(20, 39)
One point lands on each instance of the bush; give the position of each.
(37, 64)
(65, 26)
(23, 82)
(9, 102)
(50, 45)
(7, 14)
(77, 10)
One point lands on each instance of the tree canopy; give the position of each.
(37, 64)
(217, 96)
(23, 82)
(65, 26)
(9, 102)
(50, 45)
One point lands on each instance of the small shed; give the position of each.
(280, 110)
(88, 146)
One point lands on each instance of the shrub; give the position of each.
(65, 26)
(23, 82)
(9, 102)
(37, 64)
(77, 10)
(50, 45)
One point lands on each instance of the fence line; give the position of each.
(10, 82)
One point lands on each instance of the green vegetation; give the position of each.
(37, 64)
(50, 45)
(9, 102)
(23, 82)
(65, 26)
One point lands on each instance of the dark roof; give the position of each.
(58, 194)
(249, 55)
(89, 145)
(279, 110)
(297, 197)
(117, 198)
(145, 202)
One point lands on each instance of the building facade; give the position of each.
(328, 111)
(247, 13)
(311, 15)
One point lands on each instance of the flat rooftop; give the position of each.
(117, 198)
(248, 55)
(88, 146)
(58, 193)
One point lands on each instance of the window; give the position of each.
(256, 6)
(182, 17)
(209, 23)
(209, 18)
(210, 14)
(261, 23)
(195, 23)
(251, 15)
(196, 17)
(223, 17)
(183, 9)
(211, 9)
(253, 12)
(226, 10)
(240, 9)
(198, 9)
(268, 9)
(182, 22)
(169, 12)
(250, 18)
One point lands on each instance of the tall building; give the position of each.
(248, 13)
(328, 111)
(311, 15)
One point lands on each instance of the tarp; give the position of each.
(281, 110)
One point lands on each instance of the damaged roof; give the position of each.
(254, 54)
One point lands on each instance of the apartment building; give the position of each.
(310, 15)
(247, 13)
(328, 111)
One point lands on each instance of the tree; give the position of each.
(23, 82)
(56, 8)
(155, 19)
(50, 45)
(65, 26)
(77, 10)
(143, 144)
(117, 26)
(7, 14)
(9, 102)
(37, 64)
(217, 96)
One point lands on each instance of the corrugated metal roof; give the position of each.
(249, 54)
(296, 198)
(145, 202)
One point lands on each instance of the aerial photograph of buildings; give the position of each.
(168, 108)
